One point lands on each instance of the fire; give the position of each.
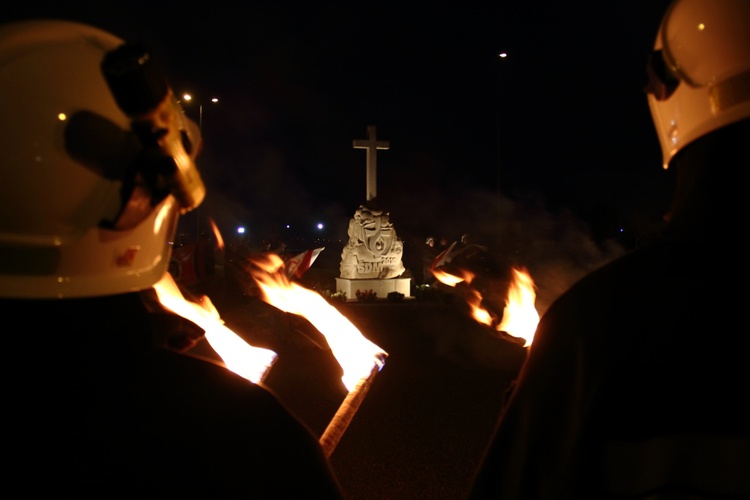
(359, 358)
(217, 235)
(474, 299)
(451, 279)
(240, 357)
(520, 317)
(356, 355)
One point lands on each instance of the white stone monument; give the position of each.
(372, 259)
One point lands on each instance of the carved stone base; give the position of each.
(381, 287)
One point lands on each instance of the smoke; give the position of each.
(555, 246)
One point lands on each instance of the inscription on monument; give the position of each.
(373, 249)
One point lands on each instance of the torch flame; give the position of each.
(474, 299)
(240, 357)
(520, 317)
(356, 355)
(451, 279)
(217, 234)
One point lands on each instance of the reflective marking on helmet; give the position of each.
(24, 260)
(730, 92)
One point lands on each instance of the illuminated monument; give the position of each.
(372, 259)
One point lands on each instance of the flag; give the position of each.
(443, 257)
(297, 266)
(182, 265)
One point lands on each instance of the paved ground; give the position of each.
(429, 413)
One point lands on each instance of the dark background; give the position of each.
(554, 141)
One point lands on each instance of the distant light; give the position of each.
(62, 117)
(241, 230)
(189, 97)
(288, 226)
(622, 230)
(502, 55)
(320, 225)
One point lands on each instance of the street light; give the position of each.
(189, 97)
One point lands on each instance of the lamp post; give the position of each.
(189, 98)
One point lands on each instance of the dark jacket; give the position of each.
(95, 409)
(634, 385)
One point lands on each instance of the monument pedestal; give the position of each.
(382, 287)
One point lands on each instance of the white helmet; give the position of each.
(96, 163)
(699, 71)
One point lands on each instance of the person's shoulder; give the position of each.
(237, 430)
(616, 282)
(206, 381)
(629, 266)
(210, 395)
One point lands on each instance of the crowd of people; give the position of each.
(609, 403)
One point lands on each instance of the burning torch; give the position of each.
(359, 358)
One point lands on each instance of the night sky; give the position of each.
(560, 128)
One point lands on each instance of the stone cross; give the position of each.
(371, 145)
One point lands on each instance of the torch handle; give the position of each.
(345, 413)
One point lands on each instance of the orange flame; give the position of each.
(240, 357)
(356, 355)
(520, 317)
(482, 315)
(451, 279)
(217, 235)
